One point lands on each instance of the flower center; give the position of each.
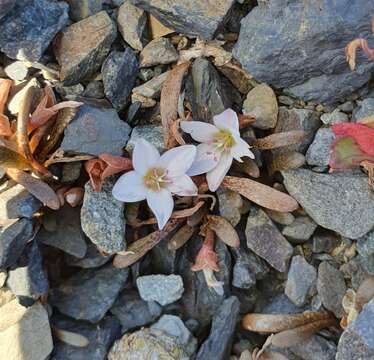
(223, 140)
(156, 179)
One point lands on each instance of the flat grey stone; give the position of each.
(16, 70)
(230, 205)
(300, 230)
(152, 88)
(364, 108)
(6, 6)
(318, 153)
(158, 51)
(92, 259)
(365, 244)
(81, 9)
(335, 117)
(315, 348)
(151, 133)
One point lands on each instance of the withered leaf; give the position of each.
(283, 218)
(261, 194)
(224, 230)
(181, 237)
(5, 86)
(11, 159)
(248, 166)
(351, 48)
(278, 140)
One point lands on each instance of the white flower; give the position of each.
(220, 144)
(155, 178)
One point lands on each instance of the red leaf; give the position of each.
(207, 257)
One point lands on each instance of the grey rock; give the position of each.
(230, 205)
(162, 259)
(95, 131)
(68, 235)
(318, 153)
(151, 133)
(347, 106)
(17, 202)
(16, 70)
(134, 312)
(119, 71)
(365, 244)
(279, 304)
(29, 28)
(152, 88)
(193, 18)
(264, 239)
(365, 108)
(66, 91)
(100, 337)
(334, 118)
(301, 281)
(218, 344)
(339, 202)
(132, 23)
(264, 43)
(367, 263)
(315, 348)
(354, 271)
(158, 51)
(165, 289)
(94, 89)
(301, 229)
(6, 6)
(331, 288)
(146, 74)
(102, 218)
(324, 242)
(80, 9)
(92, 259)
(13, 239)
(89, 294)
(29, 279)
(356, 342)
(71, 172)
(82, 47)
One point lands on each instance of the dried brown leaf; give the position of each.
(224, 230)
(207, 258)
(5, 86)
(11, 159)
(283, 218)
(278, 140)
(248, 166)
(180, 237)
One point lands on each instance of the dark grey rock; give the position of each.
(265, 240)
(279, 304)
(315, 348)
(134, 312)
(335, 117)
(301, 281)
(331, 288)
(230, 205)
(300, 230)
(92, 259)
(318, 153)
(364, 108)
(367, 262)
(151, 133)
(13, 239)
(119, 71)
(100, 337)
(265, 43)
(324, 242)
(80, 9)
(96, 131)
(357, 341)
(68, 235)
(340, 202)
(365, 244)
(194, 18)
(218, 344)
(347, 106)
(165, 289)
(6, 6)
(82, 47)
(162, 259)
(354, 271)
(102, 218)
(71, 171)
(67, 91)
(16, 70)
(158, 51)
(151, 88)
(29, 28)
(94, 89)
(89, 294)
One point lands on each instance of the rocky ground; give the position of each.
(65, 293)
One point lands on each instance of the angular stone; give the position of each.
(301, 229)
(68, 91)
(151, 133)
(301, 281)
(16, 70)
(81, 9)
(158, 51)
(96, 131)
(334, 118)
(94, 89)
(89, 294)
(6, 6)
(315, 348)
(324, 242)
(152, 88)
(82, 47)
(71, 172)
(340, 202)
(102, 218)
(29, 28)
(365, 108)
(264, 239)
(3, 276)
(92, 259)
(230, 205)
(318, 153)
(365, 244)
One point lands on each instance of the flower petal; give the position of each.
(240, 149)
(129, 188)
(207, 158)
(183, 186)
(200, 131)
(161, 203)
(215, 176)
(145, 156)
(227, 120)
(177, 160)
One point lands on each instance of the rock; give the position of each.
(264, 239)
(89, 294)
(68, 235)
(315, 348)
(152, 88)
(6, 6)
(119, 71)
(24, 332)
(365, 108)
(94, 89)
(339, 202)
(324, 242)
(189, 17)
(102, 218)
(279, 304)
(318, 153)
(29, 28)
(334, 118)
(347, 106)
(301, 229)
(92, 259)
(16, 70)
(162, 259)
(18, 92)
(6, 296)
(132, 23)
(3, 276)
(67, 91)
(301, 281)
(367, 263)
(81, 9)
(357, 341)
(165, 289)
(151, 133)
(158, 51)
(81, 48)
(13, 239)
(230, 205)
(95, 131)
(218, 344)
(331, 288)
(29, 279)
(261, 102)
(320, 80)
(17, 202)
(100, 337)
(365, 244)
(71, 172)
(134, 312)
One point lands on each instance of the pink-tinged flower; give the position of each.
(155, 178)
(220, 144)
